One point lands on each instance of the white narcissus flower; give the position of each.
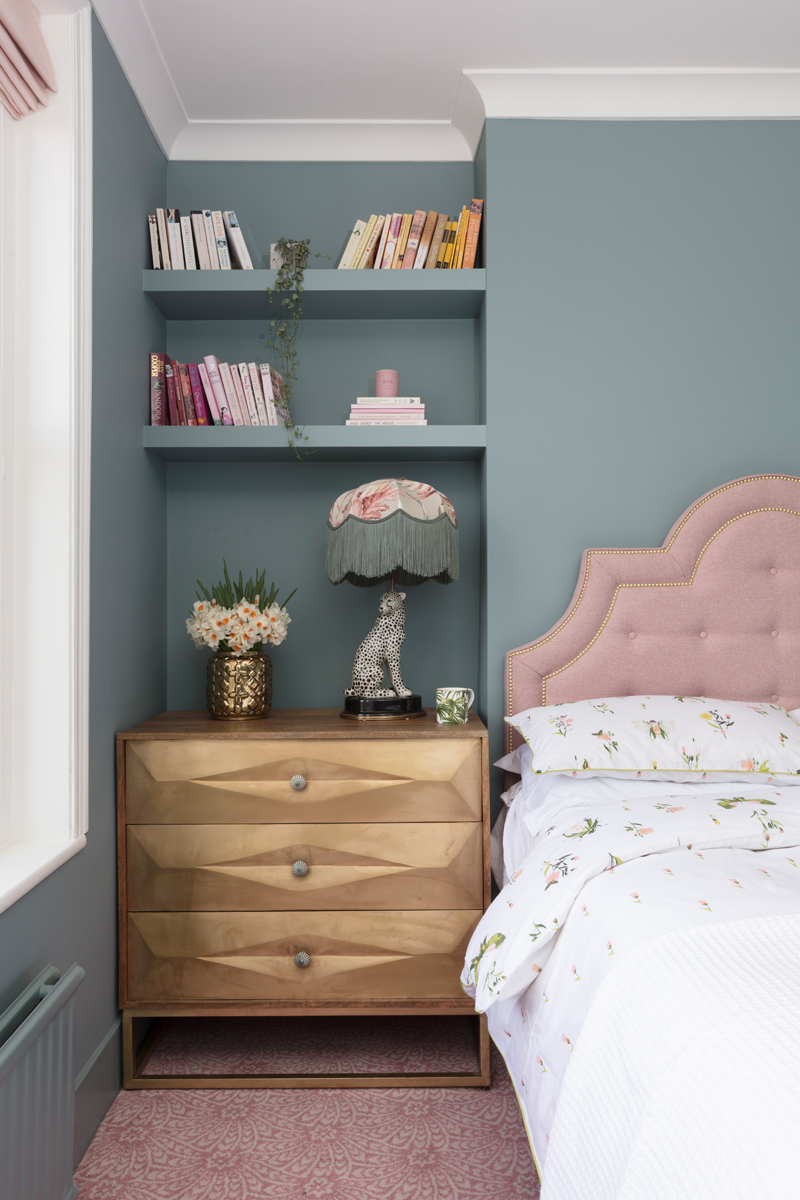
(241, 629)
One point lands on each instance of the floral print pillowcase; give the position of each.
(675, 737)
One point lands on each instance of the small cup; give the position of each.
(453, 705)
(387, 384)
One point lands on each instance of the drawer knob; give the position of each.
(301, 959)
(297, 783)
(299, 868)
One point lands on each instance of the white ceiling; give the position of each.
(373, 79)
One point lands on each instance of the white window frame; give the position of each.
(45, 444)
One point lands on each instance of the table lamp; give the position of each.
(397, 530)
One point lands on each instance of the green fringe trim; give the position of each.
(366, 552)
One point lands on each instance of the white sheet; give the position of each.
(707, 865)
(684, 1085)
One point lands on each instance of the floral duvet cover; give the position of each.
(603, 877)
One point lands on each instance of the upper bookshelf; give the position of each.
(327, 294)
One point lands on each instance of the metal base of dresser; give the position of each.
(134, 1062)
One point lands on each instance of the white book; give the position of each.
(211, 239)
(174, 235)
(222, 241)
(388, 400)
(269, 400)
(378, 421)
(352, 245)
(212, 366)
(387, 220)
(240, 397)
(238, 249)
(188, 244)
(152, 225)
(161, 221)
(369, 258)
(249, 398)
(255, 380)
(391, 241)
(230, 392)
(199, 227)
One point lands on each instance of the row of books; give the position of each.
(214, 393)
(414, 241)
(205, 241)
(391, 410)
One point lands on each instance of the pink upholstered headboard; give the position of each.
(713, 612)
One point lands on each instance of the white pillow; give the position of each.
(662, 737)
(518, 761)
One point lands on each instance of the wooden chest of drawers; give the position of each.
(244, 845)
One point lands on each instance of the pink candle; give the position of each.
(387, 383)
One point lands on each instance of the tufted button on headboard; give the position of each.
(715, 611)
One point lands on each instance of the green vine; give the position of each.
(285, 330)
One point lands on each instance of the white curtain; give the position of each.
(26, 72)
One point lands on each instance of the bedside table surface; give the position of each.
(297, 723)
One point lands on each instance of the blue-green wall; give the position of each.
(72, 915)
(274, 516)
(320, 201)
(641, 341)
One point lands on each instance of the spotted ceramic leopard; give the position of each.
(382, 645)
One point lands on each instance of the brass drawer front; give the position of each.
(179, 868)
(208, 782)
(361, 956)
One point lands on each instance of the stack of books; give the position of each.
(214, 393)
(414, 240)
(205, 241)
(392, 410)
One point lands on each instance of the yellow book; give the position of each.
(451, 245)
(362, 245)
(401, 241)
(443, 248)
(461, 237)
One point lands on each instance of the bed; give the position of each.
(641, 966)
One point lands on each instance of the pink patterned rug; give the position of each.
(335, 1144)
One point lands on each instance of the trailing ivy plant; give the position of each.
(285, 330)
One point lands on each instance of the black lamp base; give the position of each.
(395, 708)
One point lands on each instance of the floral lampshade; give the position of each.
(392, 525)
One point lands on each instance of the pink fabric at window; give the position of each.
(26, 72)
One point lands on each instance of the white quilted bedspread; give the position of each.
(685, 1082)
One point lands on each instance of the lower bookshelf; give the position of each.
(329, 443)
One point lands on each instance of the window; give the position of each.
(45, 410)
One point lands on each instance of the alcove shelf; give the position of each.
(327, 295)
(330, 443)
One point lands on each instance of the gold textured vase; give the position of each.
(239, 688)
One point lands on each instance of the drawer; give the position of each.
(361, 956)
(213, 867)
(209, 782)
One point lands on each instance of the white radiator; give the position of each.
(37, 1090)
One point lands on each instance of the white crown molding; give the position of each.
(322, 141)
(639, 94)
(554, 94)
(128, 30)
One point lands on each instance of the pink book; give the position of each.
(402, 409)
(200, 407)
(414, 235)
(240, 397)
(210, 398)
(220, 395)
(230, 392)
